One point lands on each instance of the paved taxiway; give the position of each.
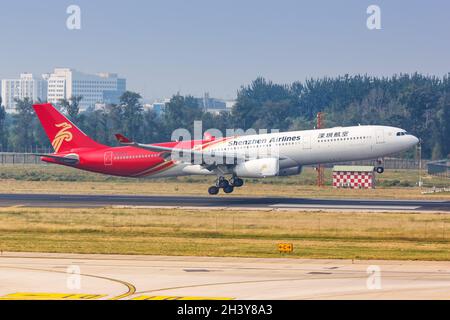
(42, 275)
(86, 201)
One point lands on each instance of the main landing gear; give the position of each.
(227, 186)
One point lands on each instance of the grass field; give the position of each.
(55, 179)
(226, 233)
(349, 235)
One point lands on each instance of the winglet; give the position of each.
(123, 139)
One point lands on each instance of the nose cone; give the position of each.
(414, 140)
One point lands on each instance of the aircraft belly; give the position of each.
(354, 152)
(173, 170)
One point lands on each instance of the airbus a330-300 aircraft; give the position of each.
(246, 156)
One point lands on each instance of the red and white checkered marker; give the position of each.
(353, 179)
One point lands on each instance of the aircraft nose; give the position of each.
(414, 140)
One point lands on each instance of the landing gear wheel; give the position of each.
(222, 183)
(237, 182)
(213, 190)
(228, 189)
(379, 170)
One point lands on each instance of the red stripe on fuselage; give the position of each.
(156, 169)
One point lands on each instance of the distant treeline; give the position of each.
(417, 103)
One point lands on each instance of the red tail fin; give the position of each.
(63, 134)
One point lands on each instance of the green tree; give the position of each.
(71, 106)
(132, 114)
(181, 112)
(23, 139)
(154, 128)
(95, 124)
(263, 104)
(3, 131)
(114, 117)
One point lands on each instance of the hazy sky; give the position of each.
(193, 46)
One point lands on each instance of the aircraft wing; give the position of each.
(205, 156)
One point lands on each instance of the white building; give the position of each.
(65, 83)
(27, 86)
(230, 104)
(158, 106)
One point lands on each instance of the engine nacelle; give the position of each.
(196, 169)
(292, 171)
(258, 168)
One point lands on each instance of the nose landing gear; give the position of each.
(380, 169)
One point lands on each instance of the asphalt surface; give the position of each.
(90, 277)
(223, 202)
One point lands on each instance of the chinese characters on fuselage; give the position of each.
(338, 134)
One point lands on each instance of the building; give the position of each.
(27, 86)
(65, 83)
(213, 105)
(158, 106)
(219, 108)
(230, 104)
(354, 177)
(206, 103)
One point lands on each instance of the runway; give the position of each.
(80, 277)
(87, 201)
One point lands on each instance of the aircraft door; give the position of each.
(307, 142)
(379, 136)
(108, 158)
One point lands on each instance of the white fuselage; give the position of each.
(298, 148)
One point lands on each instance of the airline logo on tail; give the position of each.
(62, 135)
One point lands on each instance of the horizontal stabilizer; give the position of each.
(71, 159)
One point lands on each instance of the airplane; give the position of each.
(245, 156)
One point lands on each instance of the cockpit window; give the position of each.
(403, 133)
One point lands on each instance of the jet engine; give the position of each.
(257, 168)
(292, 171)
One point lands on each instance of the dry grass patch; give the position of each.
(57, 179)
(226, 233)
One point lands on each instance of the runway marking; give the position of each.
(179, 298)
(381, 292)
(131, 288)
(51, 296)
(325, 206)
(305, 277)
